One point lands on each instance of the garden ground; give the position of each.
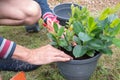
(108, 67)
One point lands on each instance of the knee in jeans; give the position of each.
(33, 13)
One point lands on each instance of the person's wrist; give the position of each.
(49, 19)
(47, 15)
(22, 53)
(30, 57)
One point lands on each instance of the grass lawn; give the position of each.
(108, 67)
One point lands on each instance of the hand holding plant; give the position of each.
(49, 19)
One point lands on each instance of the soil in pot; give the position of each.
(79, 58)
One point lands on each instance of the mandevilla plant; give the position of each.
(84, 34)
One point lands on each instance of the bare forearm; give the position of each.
(43, 55)
(21, 53)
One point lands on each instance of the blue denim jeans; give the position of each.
(16, 65)
(44, 6)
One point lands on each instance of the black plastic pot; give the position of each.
(78, 69)
(63, 12)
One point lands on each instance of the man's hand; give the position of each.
(47, 54)
(43, 55)
(50, 19)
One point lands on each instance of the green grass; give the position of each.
(108, 66)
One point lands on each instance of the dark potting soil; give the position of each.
(79, 58)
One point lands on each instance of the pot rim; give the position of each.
(61, 4)
(84, 61)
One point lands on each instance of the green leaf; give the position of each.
(112, 17)
(91, 24)
(79, 51)
(90, 21)
(91, 53)
(116, 30)
(102, 24)
(68, 48)
(78, 27)
(71, 20)
(116, 42)
(114, 23)
(51, 37)
(105, 14)
(55, 27)
(96, 44)
(69, 35)
(109, 11)
(60, 31)
(105, 37)
(106, 50)
(73, 10)
(84, 37)
(62, 42)
(76, 40)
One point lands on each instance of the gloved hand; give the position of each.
(49, 19)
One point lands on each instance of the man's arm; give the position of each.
(44, 6)
(43, 55)
(7, 48)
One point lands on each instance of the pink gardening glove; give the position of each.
(49, 19)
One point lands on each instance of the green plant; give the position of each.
(88, 33)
